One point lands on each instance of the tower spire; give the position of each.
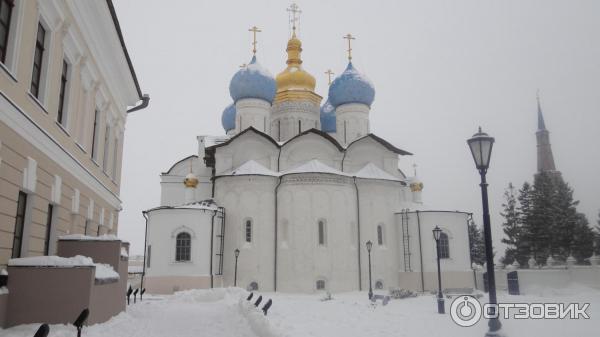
(294, 13)
(541, 124)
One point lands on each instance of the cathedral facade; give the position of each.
(287, 199)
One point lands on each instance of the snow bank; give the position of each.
(105, 272)
(231, 295)
(256, 319)
(52, 261)
(124, 252)
(3, 290)
(81, 237)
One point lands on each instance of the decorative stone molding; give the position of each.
(56, 189)
(30, 175)
(316, 179)
(75, 202)
(90, 212)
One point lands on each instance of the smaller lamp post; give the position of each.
(437, 232)
(236, 252)
(369, 247)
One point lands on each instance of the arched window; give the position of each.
(444, 246)
(183, 247)
(320, 284)
(379, 284)
(322, 228)
(380, 235)
(248, 230)
(253, 286)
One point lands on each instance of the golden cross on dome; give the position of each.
(254, 30)
(295, 12)
(329, 73)
(349, 37)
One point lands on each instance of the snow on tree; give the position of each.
(513, 230)
(476, 243)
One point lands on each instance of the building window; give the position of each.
(320, 284)
(379, 284)
(248, 229)
(48, 229)
(148, 255)
(38, 57)
(322, 228)
(114, 159)
(380, 235)
(253, 286)
(95, 132)
(19, 225)
(444, 246)
(106, 148)
(98, 230)
(88, 223)
(183, 247)
(61, 96)
(299, 126)
(6, 7)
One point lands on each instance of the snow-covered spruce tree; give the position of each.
(527, 239)
(512, 229)
(598, 235)
(583, 239)
(476, 243)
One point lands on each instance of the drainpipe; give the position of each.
(143, 105)
(210, 256)
(469, 219)
(358, 233)
(145, 250)
(275, 247)
(420, 252)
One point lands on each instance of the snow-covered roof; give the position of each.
(214, 140)
(105, 272)
(81, 237)
(124, 252)
(208, 205)
(315, 166)
(251, 167)
(52, 261)
(372, 171)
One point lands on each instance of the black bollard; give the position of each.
(129, 291)
(142, 293)
(80, 321)
(135, 294)
(267, 306)
(42, 331)
(258, 301)
(250, 297)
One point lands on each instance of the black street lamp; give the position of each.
(236, 252)
(481, 149)
(369, 247)
(440, 300)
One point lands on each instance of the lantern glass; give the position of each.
(436, 233)
(481, 149)
(236, 252)
(369, 245)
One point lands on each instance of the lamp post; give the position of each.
(369, 247)
(440, 300)
(236, 252)
(481, 149)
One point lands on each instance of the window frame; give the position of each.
(39, 47)
(248, 230)
(380, 235)
(19, 228)
(63, 94)
(322, 232)
(49, 223)
(444, 245)
(183, 247)
(321, 284)
(7, 26)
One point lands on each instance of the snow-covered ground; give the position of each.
(224, 312)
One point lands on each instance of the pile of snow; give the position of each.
(371, 171)
(52, 261)
(256, 319)
(252, 168)
(3, 290)
(124, 252)
(315, 166)
(105, 272)
(81, 237)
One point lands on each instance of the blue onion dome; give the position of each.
(252, 81)
(328, 121)
(228, 117)
(351, 87)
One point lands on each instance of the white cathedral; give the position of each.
(296, 189)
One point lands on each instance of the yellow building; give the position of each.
(66, 86)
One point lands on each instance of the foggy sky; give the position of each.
(440, 69)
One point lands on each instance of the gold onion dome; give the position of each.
(294, 77)
(190, 180)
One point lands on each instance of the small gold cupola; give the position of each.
(294, 77)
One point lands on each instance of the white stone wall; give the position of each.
(252, 112)
(308, 147)
(292, 117)
(171, 182)
(367, 150)
(163, 227)
(248, 146)
(352, 122)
